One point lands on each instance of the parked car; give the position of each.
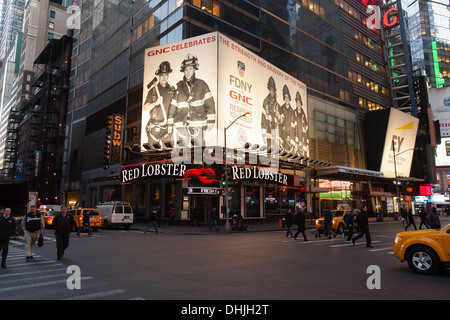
(116, 213)
(426, 251)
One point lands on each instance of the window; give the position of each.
(52, 14)
(50, 36)
(51, 25)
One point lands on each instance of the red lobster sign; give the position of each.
(205, 175)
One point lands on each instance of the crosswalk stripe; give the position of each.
(96, 295)
(39, 284)
(34, 272)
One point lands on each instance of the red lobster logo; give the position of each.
(204, 175)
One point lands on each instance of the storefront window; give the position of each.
(252, 202)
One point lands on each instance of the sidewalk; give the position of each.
(257, 226)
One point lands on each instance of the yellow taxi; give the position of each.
(94, 217)
(425, 250)
(338, 224)
(48, 217)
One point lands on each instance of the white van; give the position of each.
(116, 213)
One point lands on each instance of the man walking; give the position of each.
(363, 225)
(62, 223)
(301, 222)
(33, 225)
(152, 222)
(7, 227)
(410, 220)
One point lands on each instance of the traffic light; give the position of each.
(107, 154)
(223, 181)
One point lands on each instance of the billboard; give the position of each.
(195, 88)
(399, 144)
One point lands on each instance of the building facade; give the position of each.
(324, 44)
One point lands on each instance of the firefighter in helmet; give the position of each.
(270, 114)
(195, 112)
(161, 104)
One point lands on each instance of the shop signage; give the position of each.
(256, 173)
(205, 191)
(117, 127)
(152, 170)
(204, 175)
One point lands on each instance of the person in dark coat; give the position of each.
(7, 227)
(63, 224)
(433, 219)
(410, 220)
(363, 225)
(423, 218)
(213, 216)
(301, 219)
(288, 221)
(152, 217)
(349, 219)
(328, 222)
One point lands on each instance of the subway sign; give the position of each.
(117, 127)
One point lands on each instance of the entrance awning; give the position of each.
(348, 173)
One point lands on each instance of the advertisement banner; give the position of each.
(195, 88)
(399, 144)
(180, 92)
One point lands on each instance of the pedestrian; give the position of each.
(363, 225)
(349, 220)
(158, 215)
(288, 223)
(423, 218)
(152, 222)
(33, 226)
(195, 217)
(410, 220)
(172, 215)
(63, 224)
(301, 220)
(86, 223)
(328, 221)
(433, 219)
(213, 218)
(7, 228)
(403, 215)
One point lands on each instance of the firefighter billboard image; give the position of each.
(180, 92)
(195, 88)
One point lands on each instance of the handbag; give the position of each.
(41, 240)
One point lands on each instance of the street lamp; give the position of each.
(227, 223)
(395, 172)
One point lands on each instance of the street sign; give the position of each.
(205, 191)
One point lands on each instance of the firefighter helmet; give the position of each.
(164, 67)
(190, 60)
(271, 84)
(286, 92)
(298, 97)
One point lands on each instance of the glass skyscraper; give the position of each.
(429, 29)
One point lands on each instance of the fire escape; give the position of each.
(43, 125)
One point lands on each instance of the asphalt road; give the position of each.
(124, 265)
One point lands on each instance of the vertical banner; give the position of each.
(19, 169)
(117, 127)
(37, 162)
(400, 141)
